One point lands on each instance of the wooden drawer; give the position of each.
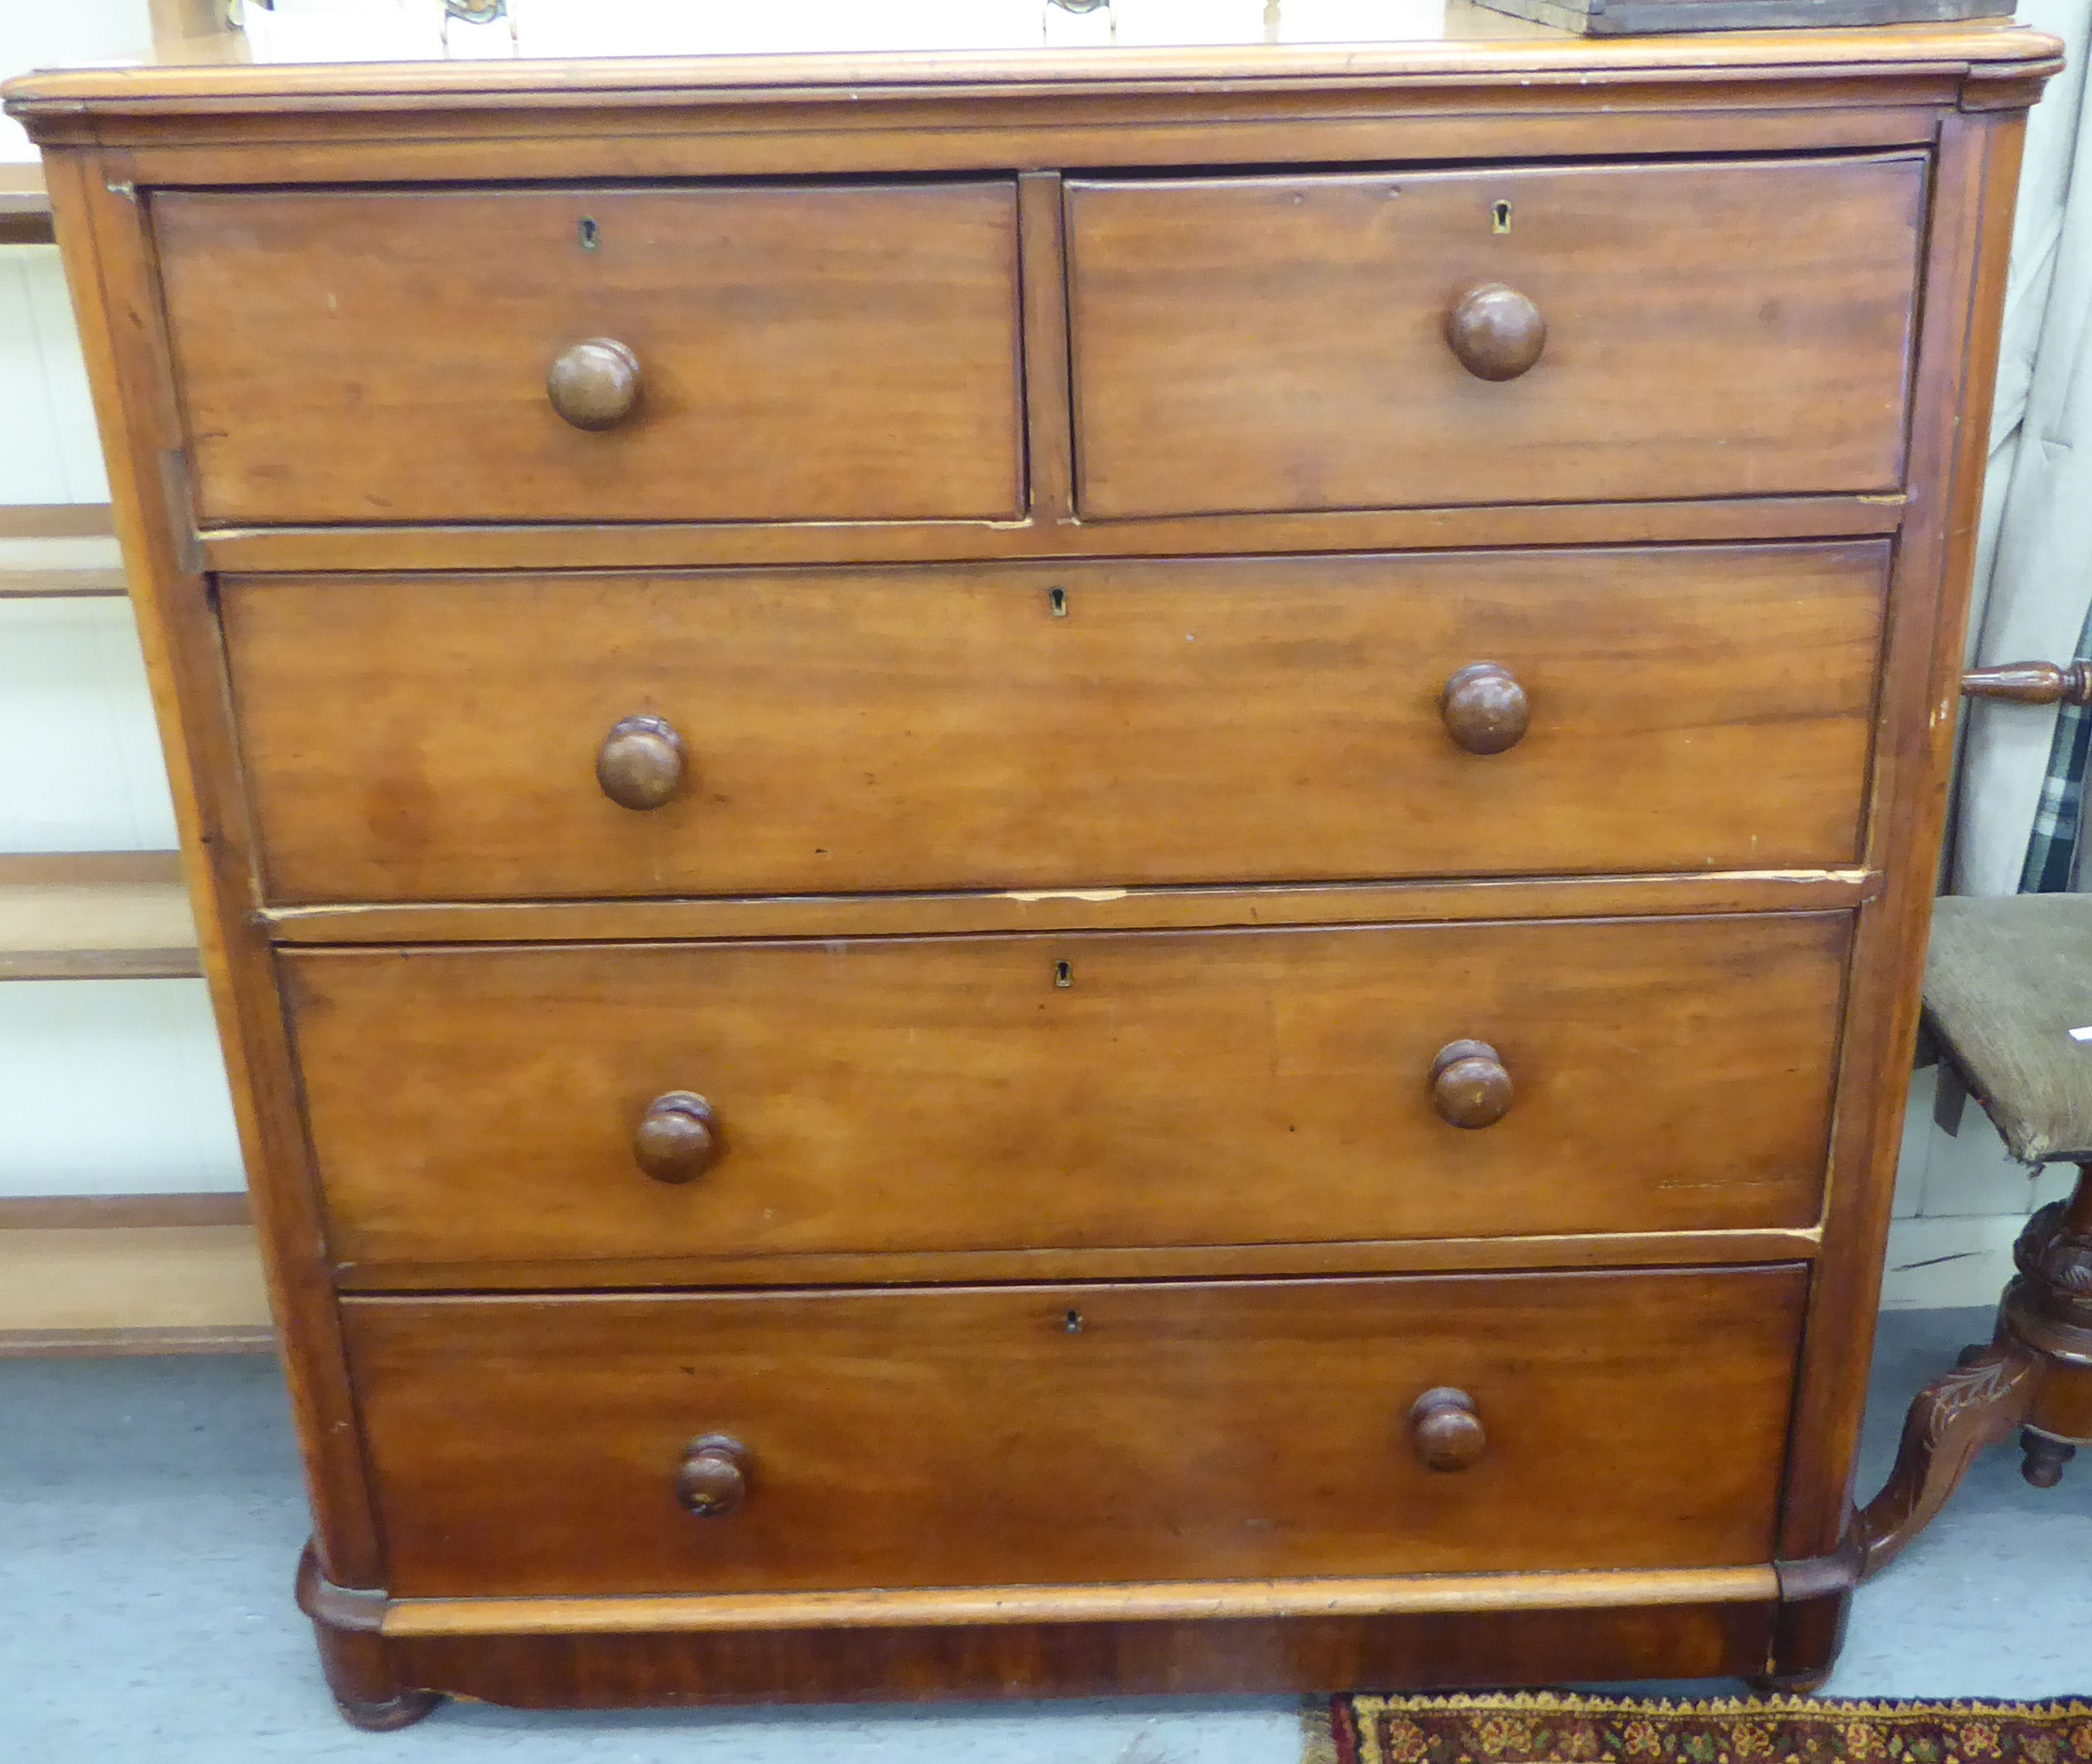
(1185, 721)
(478, 1107)
(1076, 1434)
(1282, 343)
(803, 353)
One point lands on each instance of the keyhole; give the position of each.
(592, 234)
(1074, 1324)
(1057, 602)
(1063, 974)
(1500, 218)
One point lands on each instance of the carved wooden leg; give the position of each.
(354, 1655)
(1982, 1402)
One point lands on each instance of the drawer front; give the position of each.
(801, 353)
(1076, 1434)
(486, 1106)
(1185, 721)
(1283, 343)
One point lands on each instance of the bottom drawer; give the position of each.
(1042, 1435)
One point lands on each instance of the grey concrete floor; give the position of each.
(151, 1512)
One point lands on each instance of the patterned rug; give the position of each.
(1541, 1727)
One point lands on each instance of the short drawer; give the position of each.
(791, 353)
(1289, 342)
(1069, 726)
(482, 1107)
(1037, 1435)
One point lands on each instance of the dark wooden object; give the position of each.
(1628, 17)
(1050, 704)
(2033, 1380)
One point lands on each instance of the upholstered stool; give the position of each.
(2006, 984)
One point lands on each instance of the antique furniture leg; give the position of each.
(356, 1659)
(2036, 1377)
(1982, 1401)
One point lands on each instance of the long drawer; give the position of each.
(478, 1107)
(759, 352)
(1077, 1433)
(1041, 726)
(1505, 334)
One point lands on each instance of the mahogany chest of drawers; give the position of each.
(1061, 871)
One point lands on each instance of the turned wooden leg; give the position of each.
(355, 1658)
(1982, 1402)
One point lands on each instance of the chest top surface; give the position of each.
(570, 55)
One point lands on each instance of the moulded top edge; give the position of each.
(990, 44)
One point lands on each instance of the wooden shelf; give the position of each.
(25, 204)
(62, 549)
(96, 915)
(102, 1287)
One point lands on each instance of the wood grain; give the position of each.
(950, 1094)
(1195, 721)
(1279, 343)
(1163, 1432)
(109, 272)
(1596, 1589)
(1977, 177)
(809, 353)
(1430, 1650)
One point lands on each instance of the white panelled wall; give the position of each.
(107, 1087)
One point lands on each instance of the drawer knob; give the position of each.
(677, 1138)
(1484, 708)
(1445, 1433)
(595, 384)
(641, 763)
(1469, 1085)
(1497, 332)
(713, 1481)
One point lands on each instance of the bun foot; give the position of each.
(401, 1711)
(1790, 1684)
(356, 1659)
(2045, 1458)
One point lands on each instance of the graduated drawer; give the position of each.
(1288, 342)
(802, 352)
(1036, 726)
(1043, 1435)
(483, 1106)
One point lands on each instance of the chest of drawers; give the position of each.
(1061, 871)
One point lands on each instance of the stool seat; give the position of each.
(2005, 983)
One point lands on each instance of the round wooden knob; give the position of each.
(713, 1480)
(1445, 1433)
(1497, 332)
(676, 1138)
(1469, 1086)
(641, 764)
(595, 384)
(1484, 708)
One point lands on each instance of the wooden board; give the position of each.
(25, 204)
(96, 915)
(100, 1289)
(1630, 18)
